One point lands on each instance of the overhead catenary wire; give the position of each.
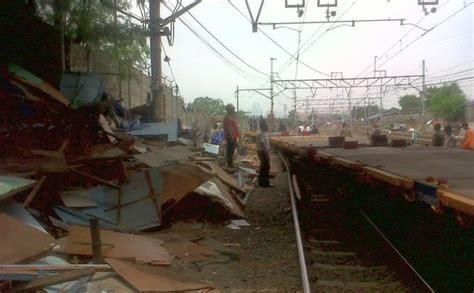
(226, 47)
(275, 42)
(229, 63)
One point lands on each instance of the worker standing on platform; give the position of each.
(345, 131)
(468, 142)
(438, 137)
(231, 134)
(450, 138)
(263, 151)
(376, 130)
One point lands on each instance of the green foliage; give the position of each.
(291, 119)
(447, 102)
(215, 107)
(95, 25)
(360, 112)
(410, 103)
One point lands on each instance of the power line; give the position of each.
(275, 42)
(227, 48)
(292, 57)
(425, 33)
(229, 63)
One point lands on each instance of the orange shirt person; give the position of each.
(468, 142)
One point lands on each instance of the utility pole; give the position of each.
(423, 95)
(381, 100)
(155, 56)
(272, 113)
(307, 110)
(237, 97)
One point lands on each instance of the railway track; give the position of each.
(343, 250)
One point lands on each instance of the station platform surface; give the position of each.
(456, 166)
(407, 167)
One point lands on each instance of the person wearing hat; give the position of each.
(231, 134)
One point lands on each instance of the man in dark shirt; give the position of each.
(231, 134)
(438, 137)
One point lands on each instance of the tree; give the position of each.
(410, 103)
(447, 102)
(215, 107)
(95, 25)
(361, 112)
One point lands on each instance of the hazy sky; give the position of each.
(448, 48)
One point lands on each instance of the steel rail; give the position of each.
(299, 241)
(424, 284)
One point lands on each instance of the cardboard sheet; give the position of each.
(116, 245)
(155, 279)
(20, 242)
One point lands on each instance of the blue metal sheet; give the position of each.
(81, 88)
(168, 130)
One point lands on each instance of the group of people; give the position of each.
(232, 135)
(448, 139)
(308, 129)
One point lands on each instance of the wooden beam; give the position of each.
(34, 191)
(53, 280)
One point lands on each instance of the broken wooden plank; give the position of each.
(36, 82)
(21, 242)
(78, 198)
(55, 279)
(10, 185)
(222, 175)
(116, 245)
(54, 268)
(181, 179)
(34, 191)
(155, 279)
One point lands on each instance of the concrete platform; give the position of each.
(407, 167)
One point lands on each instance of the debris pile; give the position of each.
(74, 186)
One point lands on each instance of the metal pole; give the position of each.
(381, 100)
(423, 96)
(237, 96)
(271, 93)
(155, 56)
(375, 65)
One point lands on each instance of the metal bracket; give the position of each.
(334, 4)
(254, 20)
(287, 5)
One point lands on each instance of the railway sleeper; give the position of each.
(338, 286)
(347, 273)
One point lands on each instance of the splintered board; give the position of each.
(155, 279)
(20, 242)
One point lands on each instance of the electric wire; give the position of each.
(229, 63)
(275, 42)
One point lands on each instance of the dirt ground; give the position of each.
(262, 256)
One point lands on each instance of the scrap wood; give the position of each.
(188, 251)
(100, 180)
(21, 242)
(78, 198)
(26, 92)
(53, 268)
(54, 279)
(116, 245)
(34, 191)
(181, 179)
(11, 185)
(155, 279)
(218, 191)
(36, 82)
(37, 164)
(226, 178)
